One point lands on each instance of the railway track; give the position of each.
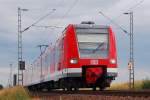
(93, 95)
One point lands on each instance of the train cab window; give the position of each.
(92, 42)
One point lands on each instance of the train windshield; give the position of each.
(93, 42)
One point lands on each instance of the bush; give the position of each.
(146, 84)
(1, 87)
(139, 85)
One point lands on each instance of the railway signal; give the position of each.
(14, 79)
(22, 65)
(130, 66)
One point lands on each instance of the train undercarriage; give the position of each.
(76, 83)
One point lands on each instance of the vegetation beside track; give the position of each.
(14, 93)
(19, 93)
(139, 85)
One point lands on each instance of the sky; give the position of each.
(73, 11)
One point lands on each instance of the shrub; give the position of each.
(139, 85)
(146, 84)
(1, 87)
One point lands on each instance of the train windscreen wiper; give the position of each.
(101, 44)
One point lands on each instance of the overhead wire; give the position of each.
(61, 2)
(129, 9)
(44, 26)
(112, 21)
(68, 11)
(137, 4)
(56, 26)
(40, 19)
(47, 26)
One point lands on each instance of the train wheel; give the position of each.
(101, 88)
(94, 88)
(69, 89)
(76, 89)
(64, 89)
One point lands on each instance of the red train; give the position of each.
(83, 57)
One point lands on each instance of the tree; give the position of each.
(1, 86)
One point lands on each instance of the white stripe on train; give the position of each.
(63, 73)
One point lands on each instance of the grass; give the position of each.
(139, 85)
(19, 93)
(14, 93)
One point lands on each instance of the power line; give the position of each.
(69, 10)
(60, 2)
(136, 5)
(130, 8)
(112, 21)
(47, 26)
(40, 19)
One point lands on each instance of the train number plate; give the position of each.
(94, 62)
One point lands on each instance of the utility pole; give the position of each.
(40, 46)
(131, 59)
(20, 61)
(10, 75)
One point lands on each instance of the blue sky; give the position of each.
(80, 10)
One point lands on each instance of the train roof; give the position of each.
(90, 26)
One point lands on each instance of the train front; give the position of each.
(93, 53)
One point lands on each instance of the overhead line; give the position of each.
(130, 8)
(69, 10)
(134, 6)
(60, 2)
(40, 19)
(48, 26)
(112, 21)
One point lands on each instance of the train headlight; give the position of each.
(112, 61)
(73, 61)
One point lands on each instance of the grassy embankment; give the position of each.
(139, 85)
(14, 93)
(19, 93)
